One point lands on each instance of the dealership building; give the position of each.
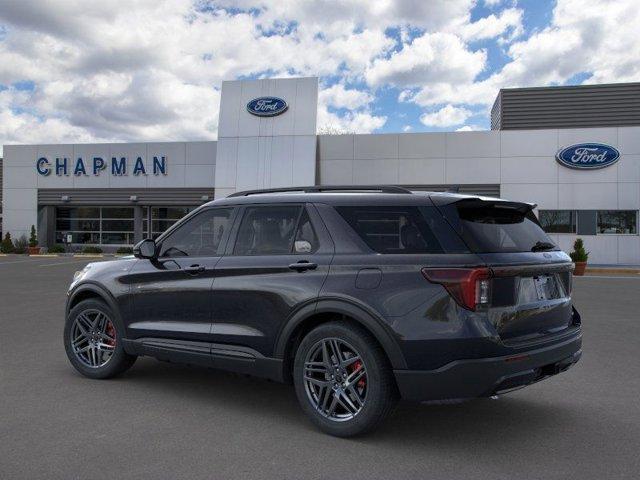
(574, 151)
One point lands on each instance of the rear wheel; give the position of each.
(93, 341)
(343, 379)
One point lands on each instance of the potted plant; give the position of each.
(7, 244)
(579, 257)
(33, 249)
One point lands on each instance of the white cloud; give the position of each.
(508, 22)
(407, 128)
(469, 128)
(357, 119)
(351, 122)
(340, 97)
(433, 57)
(447, 116)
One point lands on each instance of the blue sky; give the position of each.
(77, 71)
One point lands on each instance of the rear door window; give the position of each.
(402, 229)
(276, 230)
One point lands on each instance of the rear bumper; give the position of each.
(463, 379)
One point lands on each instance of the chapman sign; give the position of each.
(267, 106)
(118, 166)
(588, 156)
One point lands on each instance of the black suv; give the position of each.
(356, 295)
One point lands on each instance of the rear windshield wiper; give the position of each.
(540, 246)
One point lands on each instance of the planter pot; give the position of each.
(580, 268)
(33, 250)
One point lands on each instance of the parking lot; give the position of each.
(169, 421)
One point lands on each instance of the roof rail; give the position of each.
(327, 188)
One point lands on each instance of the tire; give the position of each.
(105, 357)
(376, 387)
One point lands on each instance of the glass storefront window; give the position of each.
(618, 221)
(95, 225)
(558, 221)
(78, 212)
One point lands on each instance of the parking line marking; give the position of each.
(609, 276)
(64, 263)
(17, 261)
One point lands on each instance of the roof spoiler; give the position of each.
(524, 207)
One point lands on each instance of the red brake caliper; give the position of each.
(112, 333)
(357, 365)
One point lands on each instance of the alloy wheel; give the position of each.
(335, 379)
(93, 338)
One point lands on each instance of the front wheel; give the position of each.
(343, 379)
(93, 341)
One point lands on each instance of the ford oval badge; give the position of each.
(267, 106)
(588, 156)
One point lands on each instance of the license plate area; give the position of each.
(547, 287)
(539, 288)
(542, 284)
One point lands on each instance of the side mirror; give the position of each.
(145, 249)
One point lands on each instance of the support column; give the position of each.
(138, 216)
(46, 227)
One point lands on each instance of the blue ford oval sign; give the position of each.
(588, 156)
(267, 106)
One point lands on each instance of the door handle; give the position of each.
(303, 265)
(194, 269)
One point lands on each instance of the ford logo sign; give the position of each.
(588, 156)
(267, 106)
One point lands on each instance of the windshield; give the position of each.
(494, 227)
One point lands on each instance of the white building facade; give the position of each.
(113, 195)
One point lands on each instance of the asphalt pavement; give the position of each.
(166, 421)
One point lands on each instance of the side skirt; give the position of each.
(220, 356)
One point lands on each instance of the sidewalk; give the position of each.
(626, 270)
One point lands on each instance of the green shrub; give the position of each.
(7, 244)
(57, 248)
(33, 238)
(91, 249)
(20, 245)
(579, 254)
(125, 250)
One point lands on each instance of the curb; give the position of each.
(612, 271)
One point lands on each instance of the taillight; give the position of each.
(469, 287)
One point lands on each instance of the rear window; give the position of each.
(402, 230)
(494, 227)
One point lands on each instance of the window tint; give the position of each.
(618, 221)
(401, 229)
(267, 230)
(493, 227)
(200, 236)
(558, 221)
(306, 239)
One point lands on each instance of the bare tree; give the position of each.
(331, 129)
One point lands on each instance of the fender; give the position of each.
(363, 315)
(100, 292)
